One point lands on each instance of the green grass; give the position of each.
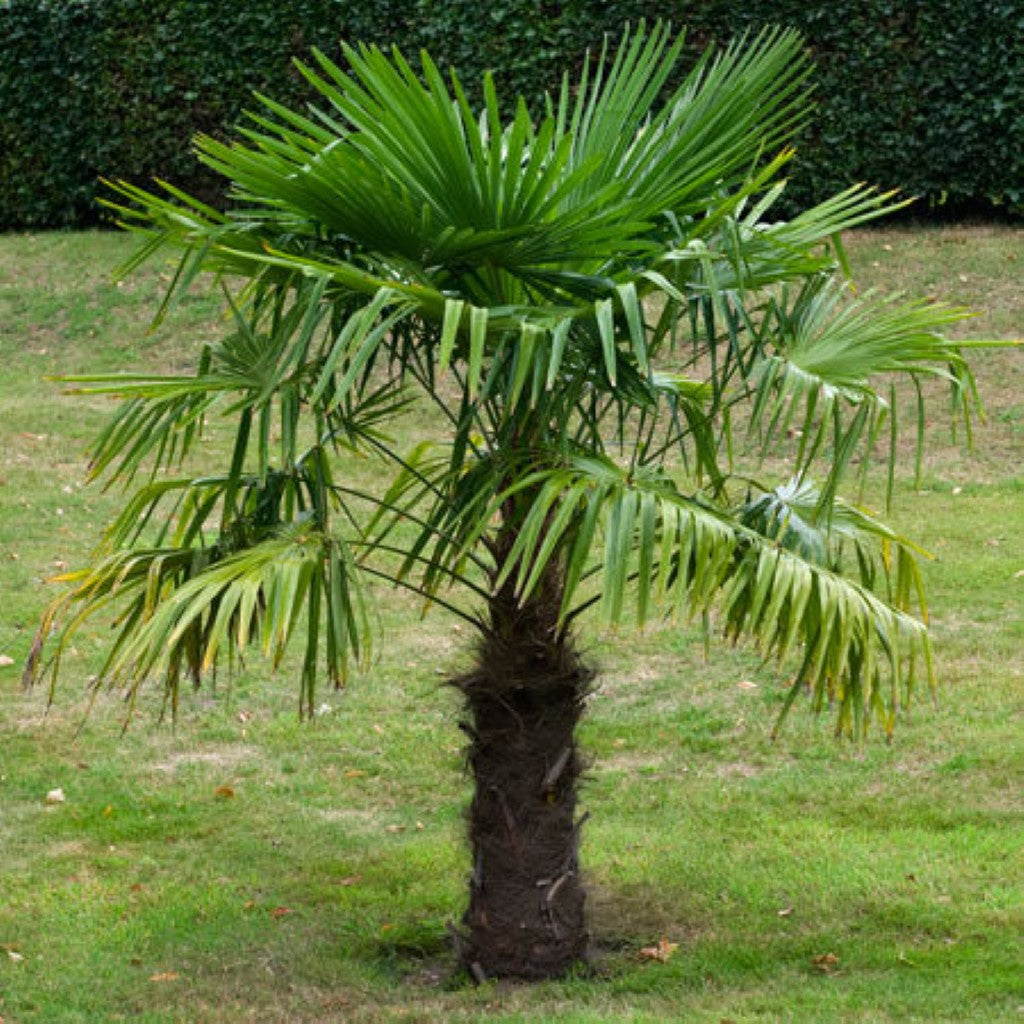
(243, 867)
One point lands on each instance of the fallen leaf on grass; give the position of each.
(165, 976)
(825, 962)
(662, 952)
(281, 912)
(224, 792)
(785, 911)
(353, 773)
(395, 828)
(55, 796)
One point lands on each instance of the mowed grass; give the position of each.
(241, 866)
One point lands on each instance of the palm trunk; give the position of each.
(526, 902)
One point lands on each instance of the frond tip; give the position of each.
(848, 638)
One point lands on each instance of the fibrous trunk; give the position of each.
(526, 903)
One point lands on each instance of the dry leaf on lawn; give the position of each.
(662, 952)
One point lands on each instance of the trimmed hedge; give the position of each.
(923, 95)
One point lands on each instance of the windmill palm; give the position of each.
(591, 302)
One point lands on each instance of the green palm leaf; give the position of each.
(684, 555)
(183, 608)
(823, 353)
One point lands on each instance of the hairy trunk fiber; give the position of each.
(526, 903)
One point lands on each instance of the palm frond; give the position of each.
(791, 515)
(182, 609)
(823, 355)
(753, 252)
(683, 554)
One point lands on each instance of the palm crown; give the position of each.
(592, 301)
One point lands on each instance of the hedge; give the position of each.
(924, 95)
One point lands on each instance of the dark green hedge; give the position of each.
(924, 95)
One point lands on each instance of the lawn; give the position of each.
(241, 866)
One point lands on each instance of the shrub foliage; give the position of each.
(921, 95)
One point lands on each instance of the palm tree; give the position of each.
(590, 301)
